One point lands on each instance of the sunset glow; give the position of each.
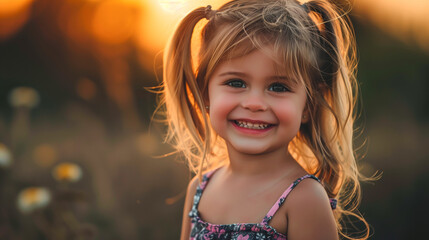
(11, 7)
(148, 24)
(114, 22)
(406, 20)
(172, 5)
(13, 15)
(161, 18)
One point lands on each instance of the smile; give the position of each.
(251, 125)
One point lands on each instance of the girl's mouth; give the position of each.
(252, 125)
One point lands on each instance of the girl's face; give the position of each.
(253, 108)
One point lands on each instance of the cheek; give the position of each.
(220, 107)
(288, 113)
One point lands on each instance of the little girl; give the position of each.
(262, 107)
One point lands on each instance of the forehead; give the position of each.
(263, 59)
(251, 60)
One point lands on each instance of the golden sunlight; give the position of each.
(13, 15)
(113, 22)
(11, 7)
(405, 19)
(160, 19)
(172, 5)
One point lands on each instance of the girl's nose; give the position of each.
(254, 102)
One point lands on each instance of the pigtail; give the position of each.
(332, 127)
(328, 68)
(329, 43)
(185, 108)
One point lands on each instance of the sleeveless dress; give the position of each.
(201, 230)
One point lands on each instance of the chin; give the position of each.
(249, 149)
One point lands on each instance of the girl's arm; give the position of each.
(309, 214)
(189, 200)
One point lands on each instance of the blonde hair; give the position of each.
(314, 42)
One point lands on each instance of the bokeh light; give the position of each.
(67, 172)
(33, 198)
(24, 97)
(5, 156)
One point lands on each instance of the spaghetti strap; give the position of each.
(283, 197)
(199, 192)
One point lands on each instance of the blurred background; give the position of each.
(78, 147)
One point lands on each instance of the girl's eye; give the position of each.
(278, 87)
(236, 83)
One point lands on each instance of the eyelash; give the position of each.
(233, 82)
(284, 88)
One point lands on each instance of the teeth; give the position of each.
(251, 125)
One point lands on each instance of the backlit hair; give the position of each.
(314, 43)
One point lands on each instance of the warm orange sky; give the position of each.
(159, 22)
(405, 19)
(149, 23)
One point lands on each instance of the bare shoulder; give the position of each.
(192, 186)
(190, 192)
(309, 191)
(309, 214)
(186, 221)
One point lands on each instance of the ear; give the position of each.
(305, 117)
(207, 104)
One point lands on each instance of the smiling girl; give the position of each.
(265, 119)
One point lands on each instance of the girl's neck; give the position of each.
(252, 165)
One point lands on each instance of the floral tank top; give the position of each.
(201, 230)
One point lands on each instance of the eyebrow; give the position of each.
(233, 73)
(283, 78)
